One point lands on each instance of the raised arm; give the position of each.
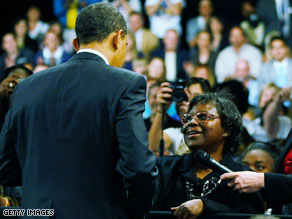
(156, 130)
(271, 120)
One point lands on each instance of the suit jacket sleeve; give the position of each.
(137, 162)
(10, 172)
(278, 190)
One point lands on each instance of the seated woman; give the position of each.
(212, 124)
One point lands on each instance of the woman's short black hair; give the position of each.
(231, 120)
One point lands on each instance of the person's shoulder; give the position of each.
(34, 78)
(169, 160)
(192, 21)
(174, 163)
(268, 63)
(126, 73)
(173, 130)
(252, 48)
(148, 33)
(26, 52)
(125, 78)
(226, 51)
(289, 60)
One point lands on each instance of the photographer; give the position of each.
(172, 137)
(14, 74)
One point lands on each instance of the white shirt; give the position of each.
(96, 53)
(176, 137)
(57, 55)
(282, 71)
(162, 21)
(227, 59)
(139, 39)
(170, 64)
(40, 29)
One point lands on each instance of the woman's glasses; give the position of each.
(199, 117)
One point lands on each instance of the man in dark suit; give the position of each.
(74, 137)
(277, 187)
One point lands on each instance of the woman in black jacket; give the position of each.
(213, 124)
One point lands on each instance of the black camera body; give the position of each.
(178, 93)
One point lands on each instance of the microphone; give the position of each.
(205, 159)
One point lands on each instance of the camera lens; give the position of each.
(178, 95)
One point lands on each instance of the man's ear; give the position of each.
(116, 39)
(75, 44)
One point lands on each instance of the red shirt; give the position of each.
(288, 163)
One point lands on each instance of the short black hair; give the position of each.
(231, 120)
(97, 21)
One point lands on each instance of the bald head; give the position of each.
(242, 68)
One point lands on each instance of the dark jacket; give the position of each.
(278, 190)
(178, 178)
(75, 139)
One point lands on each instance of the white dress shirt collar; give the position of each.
(96, 53)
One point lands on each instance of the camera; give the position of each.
(178, 93)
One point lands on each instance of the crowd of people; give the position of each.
(225, 90)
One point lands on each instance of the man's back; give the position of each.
(79, 138)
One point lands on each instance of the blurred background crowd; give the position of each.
(239, 47)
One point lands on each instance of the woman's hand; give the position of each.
(164, 97)
(190, 209)
(183, 107)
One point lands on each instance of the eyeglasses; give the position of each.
(199, 117)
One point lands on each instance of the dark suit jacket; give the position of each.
(278, 186)
(278, 189)
(75, 140)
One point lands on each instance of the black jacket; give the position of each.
(179, 172)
